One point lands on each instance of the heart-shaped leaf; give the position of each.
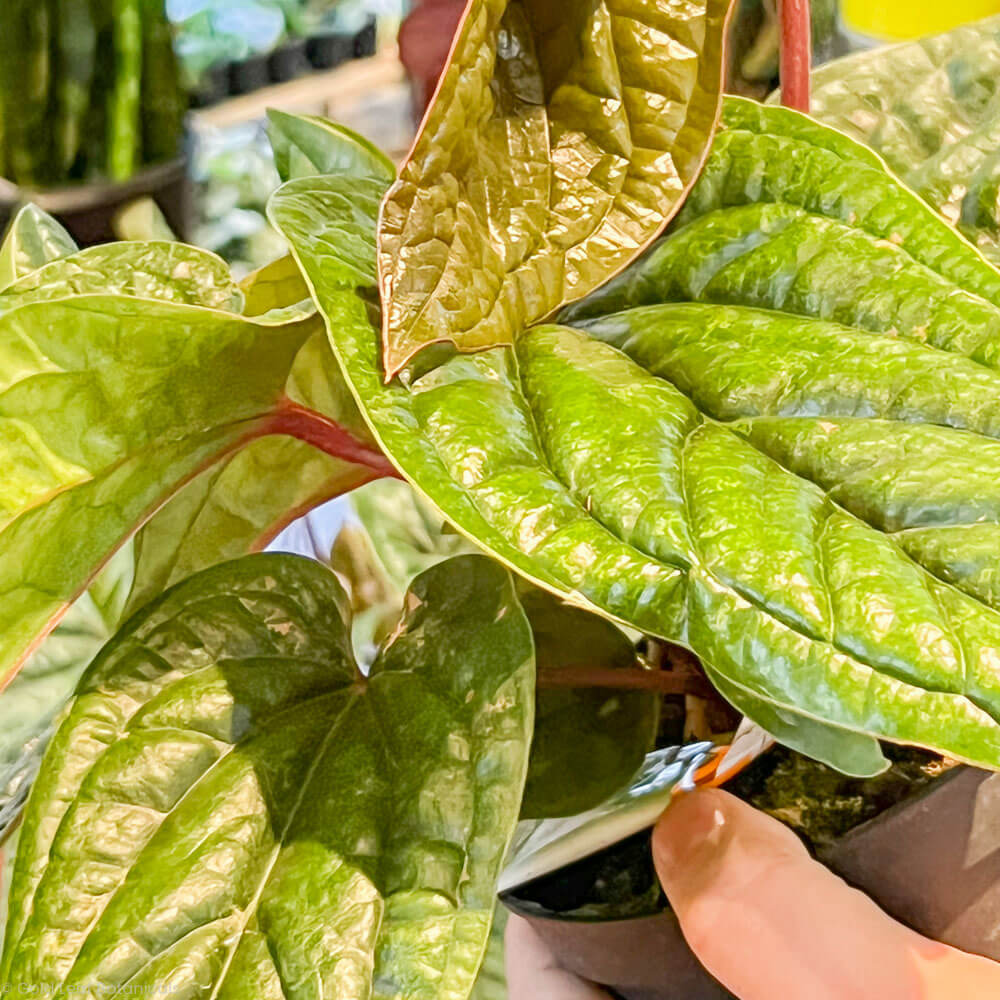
(561, 140)
(230, 808)
(800, 486)
(589, 740)
(932, 109)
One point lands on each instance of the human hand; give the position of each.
(768, 921)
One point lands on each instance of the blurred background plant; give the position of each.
(88, 89)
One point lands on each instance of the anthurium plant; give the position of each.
(667, 363)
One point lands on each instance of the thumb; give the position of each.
(767, 921)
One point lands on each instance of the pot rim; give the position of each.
(91, 194)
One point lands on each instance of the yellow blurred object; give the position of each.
(895, 20)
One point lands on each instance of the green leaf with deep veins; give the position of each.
(793, 471)
(560, 142)
(33, 239)
(932, 109)
(231, 809)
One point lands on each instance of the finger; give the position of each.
(532, 972)
(768, 921)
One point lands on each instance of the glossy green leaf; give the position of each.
(231, 809)
(111, 403)
(589, 741)
(932, 109)
(800, 486)
(560, 142)
(784, 209)
(305, 145)
(32, 240)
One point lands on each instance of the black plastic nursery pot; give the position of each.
(88, 210)
(290, 61)
(931, 860)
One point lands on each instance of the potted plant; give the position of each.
(92, 113)
(768, 441)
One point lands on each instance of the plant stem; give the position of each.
(629, 679)
(796, 53)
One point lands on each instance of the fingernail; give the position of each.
(690, 833)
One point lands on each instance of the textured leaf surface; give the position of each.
(800, 486)
(932, 109)
(33, 239)
(305, 145)
(172, 272)
(111, 403)
(108, 405)
(561, 140)
(230, 809)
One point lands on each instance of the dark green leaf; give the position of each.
(806, 504)
(561, 140)
(588, 741)
(231, 809)
(305, 145)
(32, 240)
